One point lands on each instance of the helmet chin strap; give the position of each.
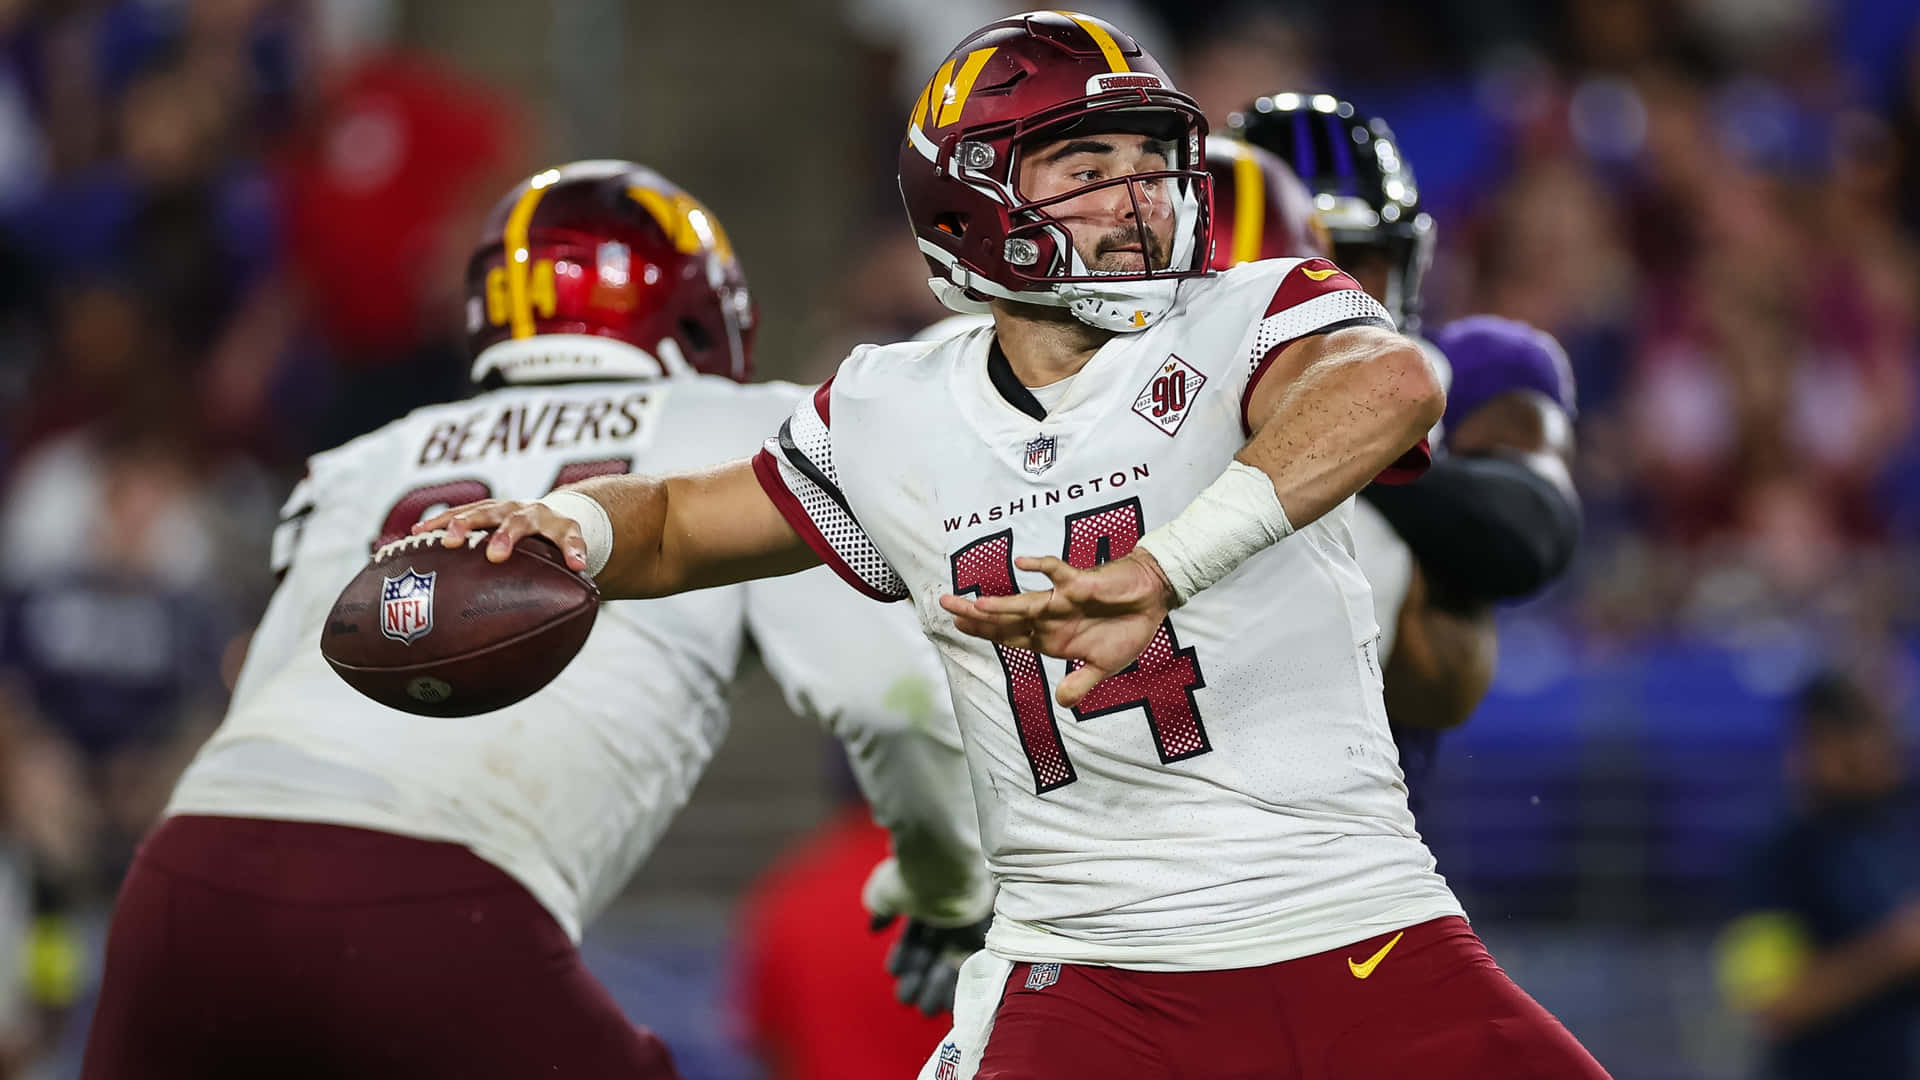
(1123, 307)
(955, 298)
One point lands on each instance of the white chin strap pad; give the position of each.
(955, 298)
(1120, 306)
(1123, 307)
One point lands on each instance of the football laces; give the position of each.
(434, 536)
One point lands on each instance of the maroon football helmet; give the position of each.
(1032, 78)
(605, 270)
(1261, 210)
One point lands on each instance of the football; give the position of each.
(439, 631)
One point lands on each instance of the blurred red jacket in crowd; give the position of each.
(814, 994)
(384, 188)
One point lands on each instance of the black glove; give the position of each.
(925, 962)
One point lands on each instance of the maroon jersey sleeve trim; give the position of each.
(1409, 466)
(767, 470)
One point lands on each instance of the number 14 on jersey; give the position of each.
(1160, 683)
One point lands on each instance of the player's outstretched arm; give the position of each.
(642, 536)
(1333, 411)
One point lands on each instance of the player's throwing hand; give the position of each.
(509, 520)
(1103, 617)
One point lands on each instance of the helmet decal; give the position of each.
(688, 223)
(605, 269)
(519, 305)
(946, 94)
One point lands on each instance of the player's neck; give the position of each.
(1044, 345)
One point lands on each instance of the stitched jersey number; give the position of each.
(414, 504)
(1161, 682)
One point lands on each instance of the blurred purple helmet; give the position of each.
(1491, 355)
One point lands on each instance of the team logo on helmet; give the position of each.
(1039, 455)
(1041, 976)
(406, 606)
(614, 262)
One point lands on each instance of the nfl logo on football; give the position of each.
(406, 606)
(1039, 455)
(948, 1066)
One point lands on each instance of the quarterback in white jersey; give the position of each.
(1258, 712)
(1205, 860)
(564, 793)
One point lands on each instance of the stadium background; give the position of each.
(231, 233)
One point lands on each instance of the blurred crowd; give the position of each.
(232, 233)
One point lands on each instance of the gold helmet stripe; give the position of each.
(1108, 47)
(1249, 205)
(520, 312)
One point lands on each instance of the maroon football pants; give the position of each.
(244, 948)
(1433, 1006)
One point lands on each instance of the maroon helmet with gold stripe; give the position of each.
(1029, 78)
(1261, 210)
(605, 270)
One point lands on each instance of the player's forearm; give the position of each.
(690, 531)
(1441, 667)
(636, 508)
(1354, 409)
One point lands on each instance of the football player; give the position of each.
(1500, 500)
(1496, 518)
(341, 890)
(1186, 787)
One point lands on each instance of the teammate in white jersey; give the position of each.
(1205, 862)
(342, 890)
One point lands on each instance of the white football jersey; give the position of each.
(1234, 798)
(568, 790)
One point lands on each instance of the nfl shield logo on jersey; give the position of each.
(406, 606)
(1041, 976)
(1039, 455)
(947, 1064)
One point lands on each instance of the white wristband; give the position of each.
(596, 528)
(1231, 519)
